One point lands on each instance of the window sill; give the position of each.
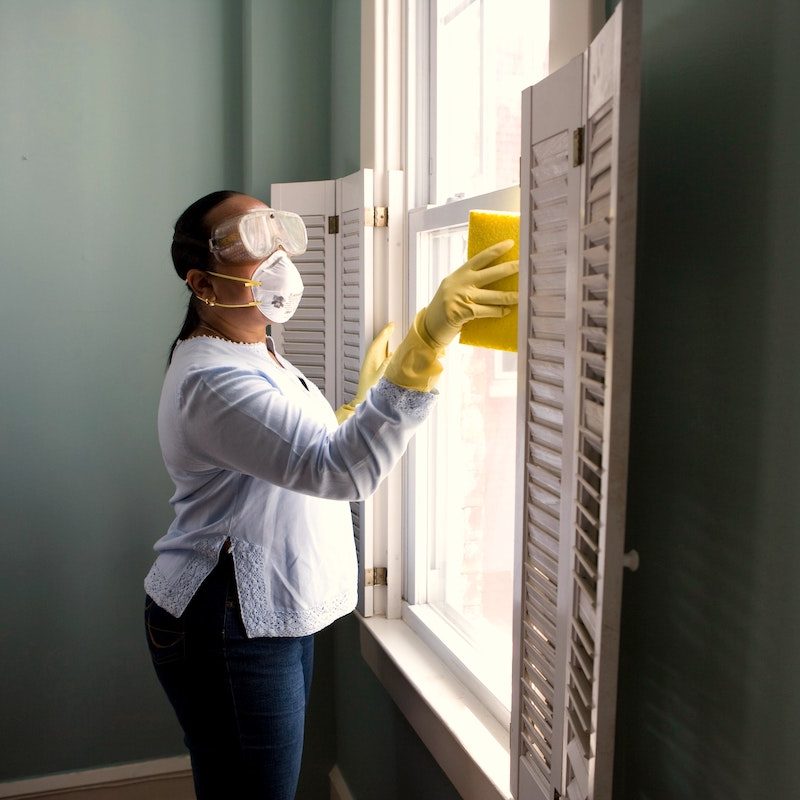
(469, 744)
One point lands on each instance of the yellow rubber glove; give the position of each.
(375, 361)
(459, 298)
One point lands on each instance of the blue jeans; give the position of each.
(241, 702)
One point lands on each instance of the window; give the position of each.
(461, 544)
(460, 531)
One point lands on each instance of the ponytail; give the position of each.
(191, 321)
(190, 252)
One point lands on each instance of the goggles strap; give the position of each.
(182, 238)
(245, 281)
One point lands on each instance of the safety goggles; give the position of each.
(257, 235)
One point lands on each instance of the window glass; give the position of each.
(486, 53)
(470, 474)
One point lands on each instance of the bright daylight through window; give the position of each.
(483, 54)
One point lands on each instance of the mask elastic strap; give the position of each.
(225, 305)
(245, 281)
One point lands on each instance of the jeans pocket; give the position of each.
(166, 637)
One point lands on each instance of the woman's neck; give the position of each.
(228, 332)
(234, 333)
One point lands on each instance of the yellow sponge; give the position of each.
(487, 228)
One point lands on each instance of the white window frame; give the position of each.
(466, 739)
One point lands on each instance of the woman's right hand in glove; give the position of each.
(462, 295)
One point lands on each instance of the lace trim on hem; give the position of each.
(260, 619)
(174, 595)
(407, 401)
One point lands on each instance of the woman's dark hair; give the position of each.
(190, 251)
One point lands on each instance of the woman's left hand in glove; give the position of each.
(372, 369)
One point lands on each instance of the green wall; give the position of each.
(116, 114)
(377, 751)
(287, 88)
(345, 87)
(710, 652)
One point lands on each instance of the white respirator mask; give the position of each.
(276, 286)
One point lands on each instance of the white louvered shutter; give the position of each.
(575, 393)
(308, 338)
(550, 203)
(354, 333)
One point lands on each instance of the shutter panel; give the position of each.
(550, 205)
(607, 242)
(574, 462)
(308, 338)
(354, 252)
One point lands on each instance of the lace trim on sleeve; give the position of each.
(407, 401)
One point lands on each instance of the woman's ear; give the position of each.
(200, 285)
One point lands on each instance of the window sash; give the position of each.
(486, 99)
(422, 220)
(430, 623)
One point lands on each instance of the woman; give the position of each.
(260, 555)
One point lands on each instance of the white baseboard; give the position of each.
(141, 780)
(339, 789)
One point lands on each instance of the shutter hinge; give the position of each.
(333, 224)
(577, 147)
(376, 216)
(375, 577)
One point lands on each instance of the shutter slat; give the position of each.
(586, 487)
(541, 434)
(583, 735)
(541, 713)
(587, 565)
(588, 590)
(580, 708)
(546, 625)
(597, 231)
(585, 537)
(583, 635)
